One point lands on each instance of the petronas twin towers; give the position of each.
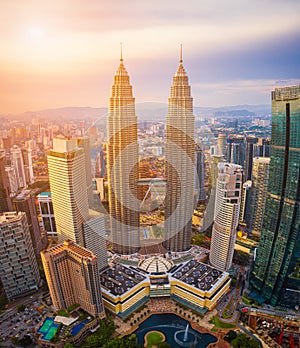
(122, 164)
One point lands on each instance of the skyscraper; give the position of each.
(18, 165)
(84, 143)
(260, 178)
(236, 150)
(25, 202)
(208, 217)
(180, 159)
(95, 239)
(12, 180)
(263, 147)
(18, 267)
(226, 215)
(72, 276)
(245, 202)
(47, 213)
(200, 174)
(5, 201)
(221, 144)
(250, 152)
(122, 165)
(276, 274)
(27, 160)
(66, 163)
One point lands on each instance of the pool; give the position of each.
(48, 329)
(169, 325)
(75, 329)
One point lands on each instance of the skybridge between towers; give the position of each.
(154, 189)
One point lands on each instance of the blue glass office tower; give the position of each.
(236, 150)
(276, 274)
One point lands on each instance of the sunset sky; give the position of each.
(57, 53)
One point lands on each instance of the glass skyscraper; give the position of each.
(276, 274)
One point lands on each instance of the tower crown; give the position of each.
(180, 71)
(121, 71)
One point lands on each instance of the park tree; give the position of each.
(243, 341)
(230, 336)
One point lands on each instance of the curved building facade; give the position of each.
(226, 215)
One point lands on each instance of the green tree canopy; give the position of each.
(243, 341)
(230, 336)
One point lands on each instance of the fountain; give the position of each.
(177, 333)
(184, 338)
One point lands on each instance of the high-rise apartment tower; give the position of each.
(5, 201)
(25, 202)
(18, 267)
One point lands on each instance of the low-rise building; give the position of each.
(192, 283)
(198, 285)
(124, 289)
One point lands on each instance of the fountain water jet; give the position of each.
(184, 338)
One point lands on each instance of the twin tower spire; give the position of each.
(121, 53)
(123, 164)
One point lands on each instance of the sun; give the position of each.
(35, 33)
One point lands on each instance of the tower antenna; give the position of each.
(121, 59)
(180, 61)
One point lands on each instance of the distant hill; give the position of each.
(67, 113)
(234, 113)
(145, 111)
(234, 110)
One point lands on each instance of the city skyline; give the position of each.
(59, 55)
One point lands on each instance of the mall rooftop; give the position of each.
(198, 275)
(119, 279)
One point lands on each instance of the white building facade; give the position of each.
(226, 215)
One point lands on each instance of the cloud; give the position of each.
(223, 42)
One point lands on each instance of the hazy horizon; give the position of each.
(63, 52)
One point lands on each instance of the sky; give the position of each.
(57, 53)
